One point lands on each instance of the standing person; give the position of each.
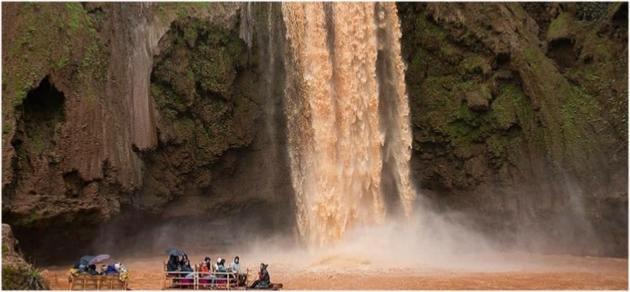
(264, 281)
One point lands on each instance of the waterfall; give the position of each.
(247, 23)
(347, 114)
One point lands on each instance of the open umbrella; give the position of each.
(97, 259)
(84, 261)
(175, 251)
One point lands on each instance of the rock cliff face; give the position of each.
(520, 116)
(154, 106)
(159, 111)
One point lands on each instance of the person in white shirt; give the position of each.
(236, 269)
(236, 265)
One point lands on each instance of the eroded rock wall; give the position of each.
(168, 111)
(520, 118)
(88, 126)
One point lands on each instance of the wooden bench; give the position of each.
(97, 282)
(175, 280)
(178, 280)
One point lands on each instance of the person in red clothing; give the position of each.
(205, 271)
(206, 266)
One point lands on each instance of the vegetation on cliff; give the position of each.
(511, 98)
(53, 54)
(17, 274)
(472, 84)
(204, 103)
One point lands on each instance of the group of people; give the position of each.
(180, 266)
(113, 269)
(117, 269)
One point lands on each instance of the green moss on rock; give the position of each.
(32, 56)
(193, 85)
(560, 27)
(23, 279)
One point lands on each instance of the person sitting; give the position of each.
(108, 270)
(236, 266)
(185, 261)
(236, 269)
(264, 281)
(91, 269)
(172, 265)
(216, 266)
(205, 270)
(120, 268)
(187, 269)
(221, 269)
(206, 266)
(185, 266)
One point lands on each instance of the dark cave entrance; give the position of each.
(563, 52)
(42, 116)
(43, 104)
(38, 131)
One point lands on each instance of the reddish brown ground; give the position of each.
(525, 272)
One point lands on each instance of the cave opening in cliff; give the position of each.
(42, 114)
(563, 52)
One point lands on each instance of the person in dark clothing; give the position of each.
(186, 269)
(184, 259)
(264, 281)
(173, 264)
(185, 266)
(91, 269)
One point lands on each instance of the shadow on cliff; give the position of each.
(143, 235)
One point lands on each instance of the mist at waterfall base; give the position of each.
(427, 241)
(423, 240)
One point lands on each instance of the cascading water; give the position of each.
(347, 115)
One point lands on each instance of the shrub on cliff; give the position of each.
(28, 278)
(17, 274)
